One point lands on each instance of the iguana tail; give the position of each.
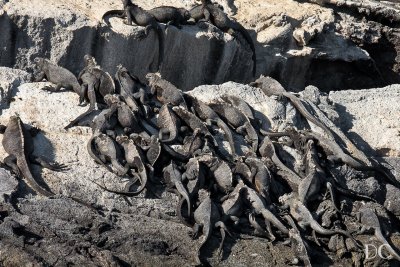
(228, 134)
(24, 168)
(247, 36)
(160, 34)
(93, 154)
(119, 13)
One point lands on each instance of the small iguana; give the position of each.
(60, 76)
(173, 178)
(170, 15)
(132, 91)
(272, 87)
(95, 84)
(209, 12)
(141, 17)
(207, 114)
(237, 120)
(370, 221)
(165, 91)
(305, 219)
(207, 217)
(168, 123)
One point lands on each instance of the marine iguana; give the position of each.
(168, 123)
(170, 15)
(60, 76)
(18, 143)
(272, 87)
(267, 150)
(132, 91)
(370, 221)
(305, 219)
(335, 153)
(165, 91)
(207, 114)
(173, 178)
(194, 123)
(208, 11)
(134, 159)
(259, 206)
(106, 149)
(207, 216)
(238, 121)
(141, 17)
(95, 84)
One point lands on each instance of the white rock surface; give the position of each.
(371, 118)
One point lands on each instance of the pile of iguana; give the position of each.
(227, 172)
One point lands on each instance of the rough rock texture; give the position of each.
(371, 118)
(66, 31)
(296, 42)
(135, 230)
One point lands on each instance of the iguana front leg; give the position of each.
(11, 162)
(54, 166)
(2, 128)
(40, 76)
(52, 89)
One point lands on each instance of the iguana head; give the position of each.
(39, 61)
(185, 13)
(121, 72)
(89, 61)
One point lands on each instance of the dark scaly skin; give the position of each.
(267, 150)
(260, 207)
(18, 143)
(134, 158)
(305, 219)
(237, 120)
(223, 175)
(168, 123)
(141, 17)
(207, 216)
(173, 177)
(299, 245)
(170, 15)
(165, 91)
(193, 122)
(60, 76)
(239, 104)
(108, 150)
(335, 153)
(207, 114)
(212, 13)
(271, 87)
(311, 184)
(262, 178)
(129, 86)
(233, 205)
(95, 85)
(369, 220)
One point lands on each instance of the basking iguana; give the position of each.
(170, 15)
(60, 76)
(165, 91)
(209, 12)
(272, 87)
(18, 143)
(95, 84)
(141, 17)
